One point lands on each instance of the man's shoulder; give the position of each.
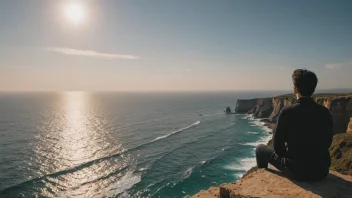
(323, 110)
(289, 108)
(296, 107)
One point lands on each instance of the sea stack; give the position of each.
(228, 110)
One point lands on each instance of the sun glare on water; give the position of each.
(75, 13)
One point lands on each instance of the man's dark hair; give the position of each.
(305, 81)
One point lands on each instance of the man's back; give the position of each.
(303, 136)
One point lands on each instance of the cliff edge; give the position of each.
(339, 104)
(270, 183)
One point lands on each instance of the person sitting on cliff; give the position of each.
(302, 136)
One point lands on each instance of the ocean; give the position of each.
(112, 144)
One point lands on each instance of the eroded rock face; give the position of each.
(243, 106)
(263, 108)
(278, 104)
(341, 153)
(349, 110)
(340, 108)
(339, 111)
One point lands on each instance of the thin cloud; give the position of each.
(338, 65)
(89, 53)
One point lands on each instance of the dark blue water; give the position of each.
(76, 144)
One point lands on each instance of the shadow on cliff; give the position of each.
(331, 186)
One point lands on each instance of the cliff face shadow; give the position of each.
(331, 186)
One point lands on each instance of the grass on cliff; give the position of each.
(341, 153)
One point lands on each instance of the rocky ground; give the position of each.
(270, 183)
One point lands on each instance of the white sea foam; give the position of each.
(248, 117)
(123, 184)
(258, 122)
(244, 164)
(177, 131)
(255, 133)
(187, 173)
(162, 137)
(263, 140)
(247, 163)
(239, 175)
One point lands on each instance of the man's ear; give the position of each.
(295, 90)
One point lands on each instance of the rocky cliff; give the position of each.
(341, 153)
(278, 104)
(340, 106)
(243, 106)
(349, 129)
(270, 183)
(262, 108)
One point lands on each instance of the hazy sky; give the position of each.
(173, 45)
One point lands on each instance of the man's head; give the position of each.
(304, 82)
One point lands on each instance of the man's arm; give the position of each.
(279, 135)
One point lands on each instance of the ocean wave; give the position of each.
(255, 133)
(182, 146)
(263, 140)
(70, 171)
(162, 137)
(53, 177)
(177, 131)
(247, 163)
(244, 165)
(261, 124)
(98, 160)
(248, 117)
(187, 173)
(125, 183)
(239, 175)
(213, 114)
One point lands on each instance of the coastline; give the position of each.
(249, 162)
(268, 183)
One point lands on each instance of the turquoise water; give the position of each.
(77, 144)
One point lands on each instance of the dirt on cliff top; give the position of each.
(270, 183)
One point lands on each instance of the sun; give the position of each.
(75, 13)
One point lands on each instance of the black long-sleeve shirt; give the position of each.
(302, 137)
